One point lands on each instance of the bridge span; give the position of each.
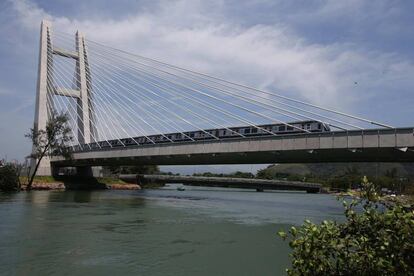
(228, 182)
(380, 145)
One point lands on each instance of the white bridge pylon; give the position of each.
(46, 88)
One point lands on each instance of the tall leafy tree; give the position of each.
(9, 177)
(52, 141)
(376, 238)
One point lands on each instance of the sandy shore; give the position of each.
(39, 186)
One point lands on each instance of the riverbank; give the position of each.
(405, 199)
(77, 183)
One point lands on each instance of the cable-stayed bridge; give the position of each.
(128, 109)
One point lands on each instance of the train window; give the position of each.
(319, 126)
(254, 130)
(289, 128)
(282, 128)
(308, 126)
(192, 135)
(247, 130)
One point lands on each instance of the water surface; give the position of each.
(199, 231)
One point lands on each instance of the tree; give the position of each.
(377, 240)
(9, 178)
(50, 142)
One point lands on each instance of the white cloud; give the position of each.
(270, 57)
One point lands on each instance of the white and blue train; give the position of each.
(209, 134)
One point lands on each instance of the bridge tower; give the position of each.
(46, 88)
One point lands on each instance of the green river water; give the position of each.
(199, 231)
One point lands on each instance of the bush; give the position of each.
(9, 178)
(379, 240)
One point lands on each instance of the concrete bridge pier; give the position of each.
(54, 170)
(82, 171)
(85, 171)
(88, 171)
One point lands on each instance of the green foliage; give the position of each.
(51, 141)
(144, 169)
(110, 180)
(377, 240)
(237, 174)
(343, 177)
(267, 173)
(9, 178)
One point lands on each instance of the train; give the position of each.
(209, 134)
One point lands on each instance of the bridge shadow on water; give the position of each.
(81, 183)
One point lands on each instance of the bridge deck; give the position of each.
(245, 183)
(379, 145)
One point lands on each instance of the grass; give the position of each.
(40, 179)
(111, 181)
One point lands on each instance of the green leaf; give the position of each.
(282, 234)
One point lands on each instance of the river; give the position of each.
(199, 231)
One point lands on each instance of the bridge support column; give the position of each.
(42, 110)
(87, 171)
(46, 89)
(85, 116)
(54, 171)
(84, 171)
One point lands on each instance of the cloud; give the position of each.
(4, 92)
(272, 57)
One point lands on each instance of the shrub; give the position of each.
(9, 178)
(377, 240)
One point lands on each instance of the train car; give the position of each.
(209, 134)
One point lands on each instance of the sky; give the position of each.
(356, 56)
